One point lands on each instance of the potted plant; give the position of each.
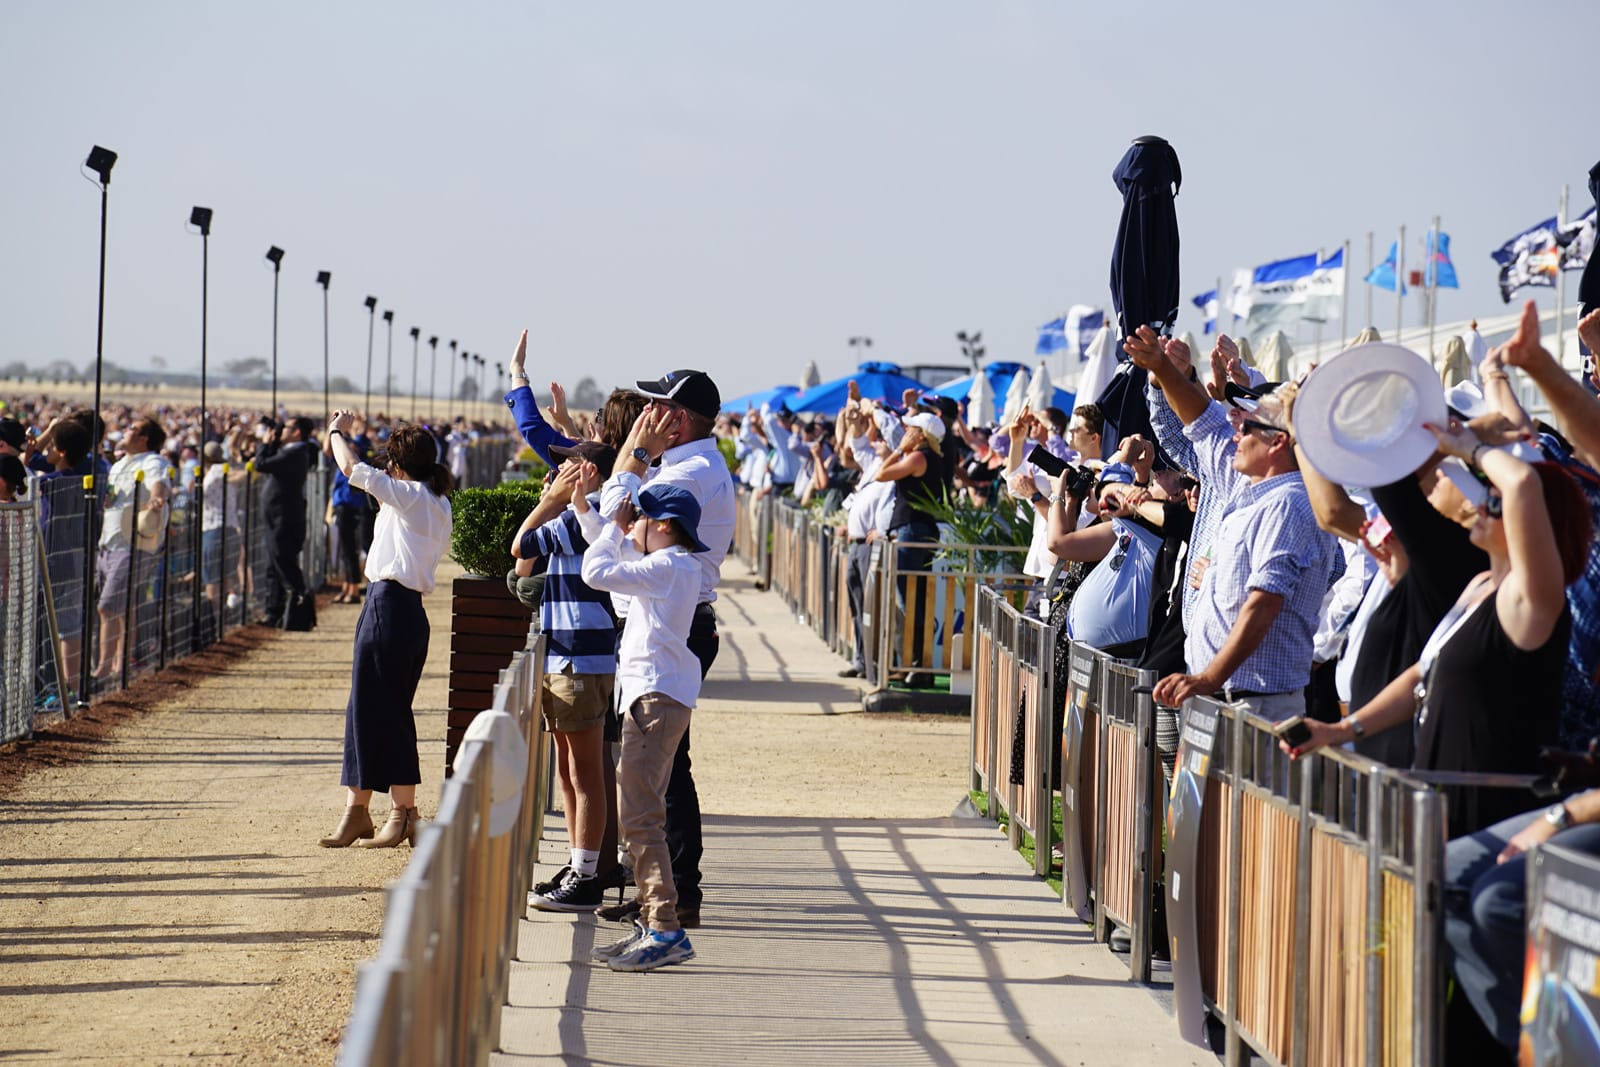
(487, 623)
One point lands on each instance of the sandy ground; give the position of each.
(164, 895)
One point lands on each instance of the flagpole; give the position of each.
(1561, 285)
(1344, 298)
(1432, 280)
(1217, 329)
(1399, 283)
(1316, 331)
(1370, 265)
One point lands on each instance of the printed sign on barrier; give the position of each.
(1561, 972)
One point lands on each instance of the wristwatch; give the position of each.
(1036, 497)
(642, 456)
(1356, 729)
(1558, 816)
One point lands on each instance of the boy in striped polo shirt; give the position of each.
(579, 676)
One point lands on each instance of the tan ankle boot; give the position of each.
(401, 826)
(356, 823)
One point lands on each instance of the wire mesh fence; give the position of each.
(99, 588)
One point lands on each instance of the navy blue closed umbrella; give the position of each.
(1144, 271)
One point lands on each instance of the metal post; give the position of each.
(1344, 298)
(1399, 283)
(1427, 926)
(1146, 782)
(86, 648)
(1373, 934)
(244, 549)
(221, 610)
(1370, 265)
(166, 589)
(1300, 996)
(1316, 329)
(1233, 1047)
(1430, 279)
(1561, 286)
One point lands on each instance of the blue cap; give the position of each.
(673, 502)
(1115, 474)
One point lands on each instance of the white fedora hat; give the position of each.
(1359, 416)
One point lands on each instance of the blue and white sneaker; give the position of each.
(652, 949)
(605, 953)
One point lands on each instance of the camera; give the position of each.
(1079, 481)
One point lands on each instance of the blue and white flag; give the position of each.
(1576, 239)
(1052, 337)
(1386, 274)
(1530, 258)
(1083, 322)
(1209, 303)
(1284, 292)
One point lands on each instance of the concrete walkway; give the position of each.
(848, 919)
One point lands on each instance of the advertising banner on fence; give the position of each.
(1561, 973)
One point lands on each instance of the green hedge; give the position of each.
(484, 521)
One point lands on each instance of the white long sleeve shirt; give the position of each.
(412, 532)
(654, 655)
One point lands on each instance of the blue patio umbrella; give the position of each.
(1144, 270)
(878, 381)
(1000, 374)
(740, 404)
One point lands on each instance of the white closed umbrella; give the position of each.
(1246, 356)
(1455, 366)
(811, 376)
(1016, 396)
(1275, 358)
(1040, 391)
(1195, 353)
(980, 401)
(1099, 367)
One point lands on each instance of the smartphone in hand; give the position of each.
(1047, 461)
(1293, 732)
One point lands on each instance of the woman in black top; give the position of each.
(917, 470)
(1486, 690)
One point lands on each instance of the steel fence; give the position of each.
(433, 994)
(19, 609)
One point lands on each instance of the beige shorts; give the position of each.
(574, 702)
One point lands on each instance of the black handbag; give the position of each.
(300, 613)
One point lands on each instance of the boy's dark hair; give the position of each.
(1057, 419)
(413, 450)
(91, 422)
(304, 425)
(13, 473)
(72, 438)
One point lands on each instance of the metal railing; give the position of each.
(19, 610)
(434, 992)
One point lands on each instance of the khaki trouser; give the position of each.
(651, 730)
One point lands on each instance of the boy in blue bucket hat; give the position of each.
(647, 555)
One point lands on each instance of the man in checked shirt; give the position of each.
(1259, 564)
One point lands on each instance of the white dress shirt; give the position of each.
(697, 466)
(412, 532)
(653, 656)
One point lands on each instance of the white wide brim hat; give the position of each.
(1359, 416)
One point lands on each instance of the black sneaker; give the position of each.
(541, 888)
(573, 894)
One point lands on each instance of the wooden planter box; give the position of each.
(487, 627)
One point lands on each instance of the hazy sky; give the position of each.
(738, 186)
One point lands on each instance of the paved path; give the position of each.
(848, 919)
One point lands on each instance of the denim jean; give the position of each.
(1485, 917)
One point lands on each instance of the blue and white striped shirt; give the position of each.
(1266, 538)
(580, 630)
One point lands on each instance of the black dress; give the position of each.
(1489, 707)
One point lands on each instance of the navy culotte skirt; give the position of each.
(380, 732)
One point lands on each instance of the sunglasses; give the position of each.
(1247, 425)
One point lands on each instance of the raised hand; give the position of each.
(1455, 439)
(855, 390)
(1589, 330)
(519, 358)
(1524, 349)
(1178, 353)
(557, 410)
(1144, 349)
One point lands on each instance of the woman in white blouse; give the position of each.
(411, 534)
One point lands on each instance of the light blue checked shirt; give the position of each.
(1208, 510)
(1264, 536)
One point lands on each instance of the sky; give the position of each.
(737, 187)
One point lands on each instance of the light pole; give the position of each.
(477, 361)
(858, 347)
(372, 318)
(388, 368)
(200, 219)
(100, 160)
(499, 388)
(275, 257)
(416, 334)
(451, 399)
(433, 372)
(323, 278)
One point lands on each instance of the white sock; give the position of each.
(584, 862)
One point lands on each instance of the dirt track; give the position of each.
(164, 897)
